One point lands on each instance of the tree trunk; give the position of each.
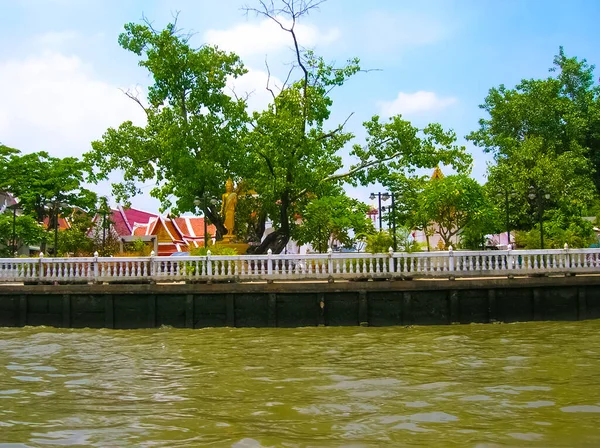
(275, 241)
(215, 219)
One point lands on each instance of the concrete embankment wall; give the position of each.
(375, 303)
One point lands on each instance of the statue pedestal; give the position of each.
(240, 248)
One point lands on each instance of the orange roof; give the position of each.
(171, 228)
(63, 223)
(192, 226)
(141, 229)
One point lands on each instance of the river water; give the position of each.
(528, 384)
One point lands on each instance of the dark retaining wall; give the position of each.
(380, 303)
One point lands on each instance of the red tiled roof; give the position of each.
(175, 234)
(140, 229)
(168, 248)
(133, 215)
(63, 224)
(192, 226)
(120, 225)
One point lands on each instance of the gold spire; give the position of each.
(437, 173)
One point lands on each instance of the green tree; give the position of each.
(333, 218)
(297, 151)
(76, 240)
(48, 187)
(191, 142)
(545, 137)
(289, 154)
(5, 155)
(455, 203)
(28, 232)
(379, 242)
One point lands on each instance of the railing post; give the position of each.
(330, 265)
(567, 257)
(152, 268)
(451, 262)
(392, 264)
(269, 262)
(510, 262)
(41, 267)
(95, 267)
(208, 265)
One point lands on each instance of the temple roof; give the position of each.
(437, 173)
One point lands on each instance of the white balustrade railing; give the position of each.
(286, 267)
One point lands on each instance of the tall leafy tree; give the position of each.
(48, 186)
(333, 218)
(545, 137)
(455, 203)
(197, 135)
(28, 232)
(191, 142)
(297, 151)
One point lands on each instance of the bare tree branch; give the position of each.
(136, 99)
(269, 79)
(355, 170)
(148, 23)
(285, 83)
(336, 130)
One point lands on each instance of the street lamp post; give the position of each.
(381, 196)
(394, 222)
(507, 195)
(535, 193)
(13, 241)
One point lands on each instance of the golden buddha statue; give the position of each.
(228, 209)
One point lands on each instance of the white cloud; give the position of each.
(54, 39)
(52, 102)
(415, 103)
(267, 37)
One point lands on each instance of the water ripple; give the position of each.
(533, 384)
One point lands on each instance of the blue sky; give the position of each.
(61, 67)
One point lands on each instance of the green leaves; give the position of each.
(545, 132)
(333, 218)
(191, 142)
(41, 181)
(397, 148)
(27, 232)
